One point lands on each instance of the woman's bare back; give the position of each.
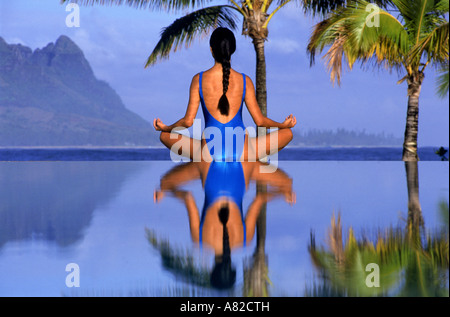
(212, 88)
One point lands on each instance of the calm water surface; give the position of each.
(102, 216)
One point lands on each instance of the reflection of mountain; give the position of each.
(55, 201)
(52, 97)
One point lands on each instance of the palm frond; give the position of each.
(334, 58)
(421, 16)
(324, 7)
(185, 29)
(321, 7)
(442, 6)
(324, 34)
(435, 46)
(443, 82)
(350, 32)
(376, 34)
(162, 5)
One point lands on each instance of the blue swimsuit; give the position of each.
(232, 131)
(224, 180)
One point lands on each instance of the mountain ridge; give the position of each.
(51, 97)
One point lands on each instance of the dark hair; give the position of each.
(223, 45)
(223, 275)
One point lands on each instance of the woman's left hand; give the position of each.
(290, 121)
(158, 195)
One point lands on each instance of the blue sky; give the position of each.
(117, 40)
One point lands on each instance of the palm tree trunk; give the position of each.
(412, 117)
(261, 97)
(261, 88)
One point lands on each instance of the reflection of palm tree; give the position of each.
(415, 218)
(179, 262)
(256, 270)
(418, 272)
(416, 266)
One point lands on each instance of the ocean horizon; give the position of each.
(160, 153)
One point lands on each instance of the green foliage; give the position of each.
(420, 31)
(407, 267)
(163, 5)
(324, 7)
(443, 83)
(185, 29)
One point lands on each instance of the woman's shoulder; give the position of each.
(212, 72)
(239, 73)
(195, 82)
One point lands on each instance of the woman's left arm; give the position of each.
(191, 111)
(258, 117)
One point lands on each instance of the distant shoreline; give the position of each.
(78, 147)
(140, 147)
(159, 153)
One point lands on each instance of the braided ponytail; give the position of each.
(224, 105)
(224, 213)
(223, 275)
(223, 45)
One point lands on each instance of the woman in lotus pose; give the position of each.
(222, 92)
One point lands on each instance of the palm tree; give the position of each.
(407, 36)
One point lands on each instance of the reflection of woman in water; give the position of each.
(222, 225)
(222, 92)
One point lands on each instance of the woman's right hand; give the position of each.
(289, 122)
(158, 195)
(159, 125)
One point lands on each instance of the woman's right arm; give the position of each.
(172, 181)
(191, 111)
(259, 119)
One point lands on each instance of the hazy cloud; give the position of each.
(284, 46)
